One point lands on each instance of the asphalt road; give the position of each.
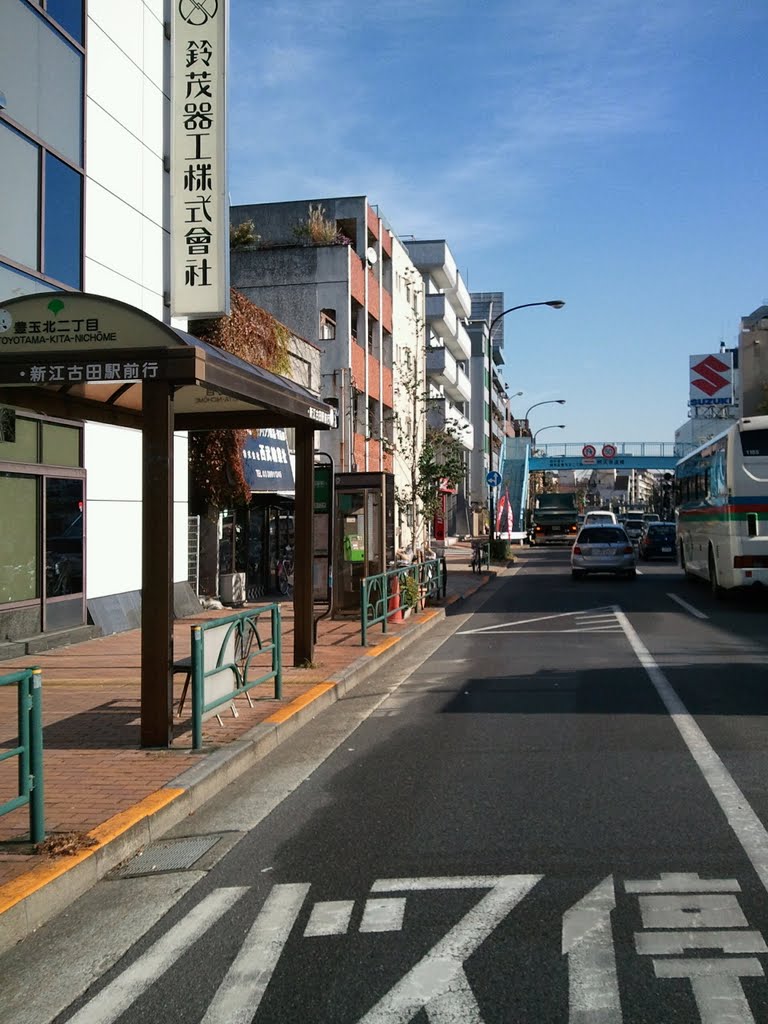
(554, 810)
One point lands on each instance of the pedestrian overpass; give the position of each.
(621, 455)
(519, 459)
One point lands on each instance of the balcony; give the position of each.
(461, 345)
(443, 412)
(460, 299)
(442, 368)
(436, 260)
(440, 316)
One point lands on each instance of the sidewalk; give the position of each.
(106, 798)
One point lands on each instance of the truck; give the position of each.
(554, 520)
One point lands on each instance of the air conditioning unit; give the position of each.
(232, 588)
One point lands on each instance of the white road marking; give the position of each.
(425, 884)
(331, 918)
(107, 1005)
(383, 915)
(527, 622)
(657, 943)
(587, 939)
(438, 984)
(746, 825)
(688, 607)
(716, 987)
(703, 910)
(682, 881)
(245, 983)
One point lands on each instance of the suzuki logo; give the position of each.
(710, 369)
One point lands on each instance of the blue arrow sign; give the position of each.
(493, 479)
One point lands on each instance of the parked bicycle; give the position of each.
(285, 574)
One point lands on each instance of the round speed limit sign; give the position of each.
(609, 451)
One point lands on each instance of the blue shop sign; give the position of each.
(266, 461)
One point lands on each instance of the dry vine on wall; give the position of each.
(257, 337)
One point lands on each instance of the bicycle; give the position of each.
(476, 563)
(285, 575)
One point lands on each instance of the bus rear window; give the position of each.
(754, 443)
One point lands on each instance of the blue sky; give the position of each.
(606, 152)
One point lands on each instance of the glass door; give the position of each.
(63, 540)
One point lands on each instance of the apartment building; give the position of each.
(332, 270)
(447, 306)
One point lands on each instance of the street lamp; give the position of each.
(555, 304)
(552, 426)
(550, 401)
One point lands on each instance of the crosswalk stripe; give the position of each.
(240, 993)
(112, 1001)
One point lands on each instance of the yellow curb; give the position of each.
(452, 599)
(13, 892)
(426, 616)
(383, 646)
(301, 702)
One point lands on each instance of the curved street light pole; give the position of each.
(549, 401)
(551, 426)
(554, 304)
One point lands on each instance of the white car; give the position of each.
(602, 548)
(599, 517)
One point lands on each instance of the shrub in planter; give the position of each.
(501, 550)
(409, 592)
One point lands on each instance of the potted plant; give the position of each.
(409, 595)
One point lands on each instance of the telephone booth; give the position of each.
(365, 534)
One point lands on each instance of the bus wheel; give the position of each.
(717, 590)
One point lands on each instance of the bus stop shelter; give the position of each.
(80, 356)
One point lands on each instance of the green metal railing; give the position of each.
(30, 749)
(229, 658)
(383, 596)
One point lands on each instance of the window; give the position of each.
(61, 445)
(62, 246)
(69, 14)
(327, 324)
(19, 538)
(64, 537)
(754, 443)
(47, 75)
(25, 447)
(20, 178)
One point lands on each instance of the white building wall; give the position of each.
(407, 338)
(126, 258)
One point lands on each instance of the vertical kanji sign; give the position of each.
(199, 206)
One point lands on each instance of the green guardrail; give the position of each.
(29, 683)
(229, 658)
(385, 595)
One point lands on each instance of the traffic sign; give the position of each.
(609, 451)
(589, 451)
(493, 479)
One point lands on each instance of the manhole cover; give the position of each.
(167, 855)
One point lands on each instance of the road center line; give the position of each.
(688, 607)
(748, 828)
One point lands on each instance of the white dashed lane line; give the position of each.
(688, 607)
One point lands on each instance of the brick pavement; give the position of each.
(94, 769)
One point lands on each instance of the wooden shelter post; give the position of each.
(303, 639)
(157, 566)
